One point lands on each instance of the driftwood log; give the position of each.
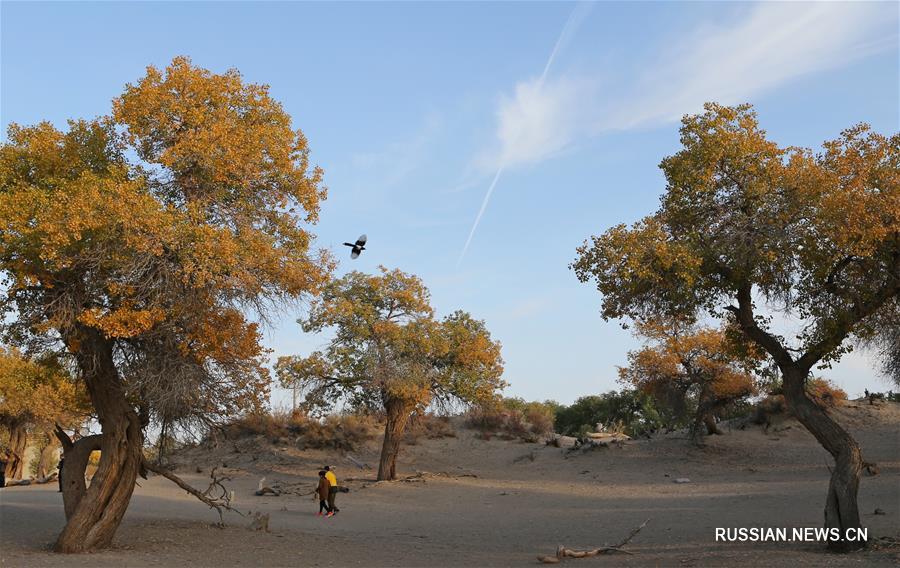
(220, 503)
(563, 552)
(263, 489)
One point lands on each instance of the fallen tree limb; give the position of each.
(563, 552)
(263, 489)
(219, 503)
(357, 463)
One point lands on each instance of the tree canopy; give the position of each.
(695, 369)
(390, 354)
(141, 240)
(35, 393)
(744, 221)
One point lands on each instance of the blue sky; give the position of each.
(413, 108)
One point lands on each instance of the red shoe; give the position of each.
(330, 514)
(319, 514)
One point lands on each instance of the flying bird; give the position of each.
(357, 247)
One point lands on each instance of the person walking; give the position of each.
(332, 490)
(324, 491)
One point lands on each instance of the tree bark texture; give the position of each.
(93, 514)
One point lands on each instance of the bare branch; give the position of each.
(219, 504)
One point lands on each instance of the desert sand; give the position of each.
(495, 503)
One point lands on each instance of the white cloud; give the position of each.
(537, 121)
(766, 46)
(761, 48)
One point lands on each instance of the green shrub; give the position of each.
(630, 411)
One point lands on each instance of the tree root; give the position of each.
(563, 552)
(220, 503)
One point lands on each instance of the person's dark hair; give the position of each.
(327, 468)
(322, 473)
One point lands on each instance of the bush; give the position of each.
(271, 426)
(337, 431)
(632, 412)
(430, 426)
(513, 418)
(772, 405)
(825, 392)
(822, 391)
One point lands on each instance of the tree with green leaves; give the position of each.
(745, 223)
(632, 410)
(390, 354)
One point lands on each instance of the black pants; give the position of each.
(323, 506)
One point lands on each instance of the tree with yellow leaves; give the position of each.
(743, 222)
(34, 394)
(389, 354)
(136, 243)
(698, 368)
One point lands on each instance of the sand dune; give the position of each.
(495, 503)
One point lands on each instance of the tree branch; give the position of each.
(845, 322)
(747, 320)
(563, 552)
(217, 504)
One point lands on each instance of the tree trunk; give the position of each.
(397, 416)
(47, 461)
(94, 515)
(841, 509)
(18, 445)
(712, 427)
(75, 462)
(705, 418)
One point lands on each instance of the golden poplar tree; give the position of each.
(139, 241)
(745, 221)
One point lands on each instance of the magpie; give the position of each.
(357, 247)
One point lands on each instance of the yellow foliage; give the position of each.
(162, 254)
(685, 359)
(37, 392)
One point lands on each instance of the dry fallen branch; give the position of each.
(218, 503)
(357, 463)
(263, 489)
(563, 552)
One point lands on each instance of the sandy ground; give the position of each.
(525, 500)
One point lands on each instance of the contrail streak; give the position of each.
(487, 197)
(577, 16)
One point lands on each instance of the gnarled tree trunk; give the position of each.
(398, 412)
(75, 461)
(18, 445)
(841, 509)
(712, 427)
(47, 460)
(705, 419)
(94, 514)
